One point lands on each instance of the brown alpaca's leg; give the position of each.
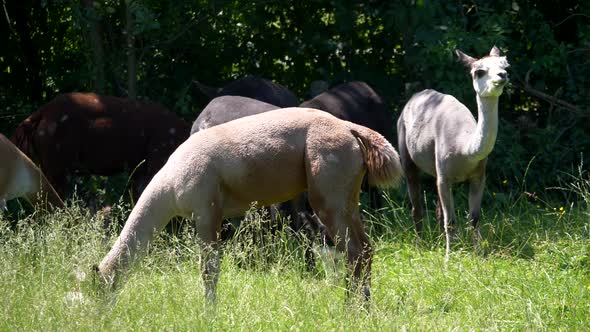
(59, 182)
(305, 224)
(375, 198)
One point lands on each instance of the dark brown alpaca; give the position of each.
(91, 134)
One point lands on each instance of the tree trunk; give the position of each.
(95, 35)
(131, 61)
(23, 16)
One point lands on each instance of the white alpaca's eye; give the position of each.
(479, 73)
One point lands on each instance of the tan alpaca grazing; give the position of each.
(19, 177)
(266, 158)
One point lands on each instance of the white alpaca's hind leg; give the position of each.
(413, 181)
(476, 187)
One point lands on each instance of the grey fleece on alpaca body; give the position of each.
(256, 88)
(227, 108)
(438, 135)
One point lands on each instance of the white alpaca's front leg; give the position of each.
(445, 196)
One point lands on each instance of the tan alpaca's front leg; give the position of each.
(208, 225)
(210, 260)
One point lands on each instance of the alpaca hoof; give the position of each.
(211, 296)
(366, 293)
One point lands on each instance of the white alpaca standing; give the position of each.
(438, 135)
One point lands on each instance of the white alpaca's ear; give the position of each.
(495, 51)
(466, 59)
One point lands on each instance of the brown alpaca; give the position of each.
(266, 158)
(100, 135)
(19, 177)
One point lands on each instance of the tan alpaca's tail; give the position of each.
(383, 165)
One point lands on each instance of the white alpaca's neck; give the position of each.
(483, 139)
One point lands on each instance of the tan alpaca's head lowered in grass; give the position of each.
(438, 135)
(19, 177)
(266, 158)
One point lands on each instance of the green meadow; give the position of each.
(531, 272)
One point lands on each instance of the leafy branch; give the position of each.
(551, 99)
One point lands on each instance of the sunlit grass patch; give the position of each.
(533, 272)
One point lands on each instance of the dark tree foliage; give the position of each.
(399, 47)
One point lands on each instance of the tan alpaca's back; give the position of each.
(271, 156)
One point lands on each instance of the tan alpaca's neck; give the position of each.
(151, 213)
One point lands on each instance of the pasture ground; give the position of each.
(531, 273)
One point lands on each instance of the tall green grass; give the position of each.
(532, 273)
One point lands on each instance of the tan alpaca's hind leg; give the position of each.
(351, 238)
(334, 195)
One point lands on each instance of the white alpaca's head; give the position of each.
(488, 73)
